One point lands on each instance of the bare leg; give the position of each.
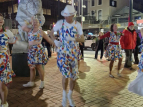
(3, 92)
(64, 83)
(41, 71)
(111, 66)
(32, 77)
(32, 74)
(78, 64)
(119, 66)
(72, 84)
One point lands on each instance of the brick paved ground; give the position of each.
(93, 88)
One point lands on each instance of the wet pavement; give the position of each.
(94, 88)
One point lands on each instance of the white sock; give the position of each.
(42, 84)
(64, 93)
(31, 82)
(64, 101)
(70, 93)
(70, 98)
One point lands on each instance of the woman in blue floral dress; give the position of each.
(136, 86)
(68, 51)
(113, 51)
(36, 52)
(6, 73)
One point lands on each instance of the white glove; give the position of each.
(68, 38)
(57, 43)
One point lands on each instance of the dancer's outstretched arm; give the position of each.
(47, 38)
(81, 39)
(51, 35)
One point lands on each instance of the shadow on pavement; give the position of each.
(25, 97)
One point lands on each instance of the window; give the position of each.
(99, 2)
(92, 13)
(92, 3)
(99, 14)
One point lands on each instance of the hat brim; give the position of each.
(68, 14)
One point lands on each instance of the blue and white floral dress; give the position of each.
(68, 53)
(113, 51)
(6, 73)
(136, 86)
(36, 53)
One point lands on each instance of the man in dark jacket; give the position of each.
(136, 51)
(128, 42)
(99, 46)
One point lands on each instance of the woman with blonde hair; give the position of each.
(36, 53)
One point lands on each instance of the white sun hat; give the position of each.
(69, 11)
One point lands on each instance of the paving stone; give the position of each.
(94, 88)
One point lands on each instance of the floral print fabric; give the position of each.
(67, 58)
(114, 51)
(6, 73)
(37, 55)
(140, 65)
(34, 36)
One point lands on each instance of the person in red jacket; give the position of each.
(128, 43)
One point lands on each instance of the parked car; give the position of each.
(90, 43)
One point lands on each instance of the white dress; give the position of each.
(136, 86)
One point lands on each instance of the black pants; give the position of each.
(128, 62)
(49, 50)
(96, 53)
(81, 49)
(136, 52)
(10, 47)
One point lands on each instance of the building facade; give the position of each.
(102, 9)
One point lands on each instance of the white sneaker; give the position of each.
(119, 75)
(5, 105)
(71, 102)
(41, 85)
(29, 84)
(110, 75)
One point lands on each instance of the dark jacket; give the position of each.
(138, 43)
(100, 44)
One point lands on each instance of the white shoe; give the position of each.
(5, 105)
(119, 75)
(110, 75)
(41, 85)
(29, 84)
(71, 102)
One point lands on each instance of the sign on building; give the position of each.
(140, 24)
(113, 3)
